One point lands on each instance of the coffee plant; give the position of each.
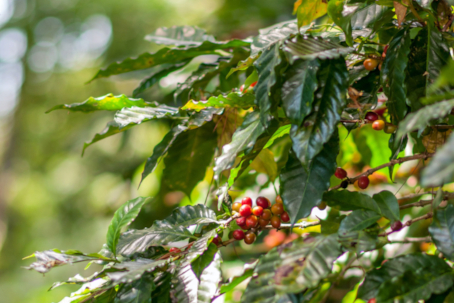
(291, 103)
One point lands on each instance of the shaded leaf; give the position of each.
(442, 231)
(199, 265)
(388, 205)
(179, 35)
(137, 292)
(309, 48)
(243, 65)
(441, 168)
(236, 280)
(350, 200)
(233, 99)
(309, 10)
(358, 220)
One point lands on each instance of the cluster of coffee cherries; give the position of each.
(253, 219)
(379, 124)
(363, 181)
(371, 63)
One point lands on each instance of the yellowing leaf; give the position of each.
(309, 10)
(264, 163)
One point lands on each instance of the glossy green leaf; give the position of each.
(166, 56)
(358, 220)
(231, 100)
(318, 127)
(195, 148)
(137, 115)
(122, 217)
(350, 200)
(107, 102)
(309, 48)
(210, 278)
(298, 90)
(437, 52)
(243, 65)
(442, 231)
(204, 260)
(441, 168)
(302, 190)
(179, 36)
(137, 292)
(131, 271)
(393, 74)
(163, 283)
(236, 280)
(359, 241)
(266, 67)
(309, 10)
(185, 287)
(388, 205)
(190, 215)
(268, 36)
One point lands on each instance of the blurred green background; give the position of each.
(50, 196)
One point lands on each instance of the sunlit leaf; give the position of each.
(387, 202)
(309, 48)
(130, 271)
(272, 34)
(231, 100)
(138, 115)
(179, 35)
(309, 10)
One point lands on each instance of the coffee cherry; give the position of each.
(396, 226)
(246, 201)
(245, 210)
(378, 125)
(249, 238)
(275, 222)
(371, 116)
(344, 184)
(215, 241)
(277, 209)
(258, 210)
(370, 64)
(244, 227)
(263, 222)
(174, 250)
(251, 221)
(266, 215)
(390, 128)
(263, 202)
(241, 221)
(340, 173)
(363, 182)
(238, 234)
(279, 199)
(380, 111)
(285, 217)
(236, 206)
(373, 300)
(322, 206)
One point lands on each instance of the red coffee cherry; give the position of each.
(175, 250)
(266, 215)
(236, 206)
(279, 199)
(238, 234)
(245, 210)
(396, 226)
(249, 238)
(263, 222)
(263, 202)
(371, 116)
(370, 64)
(373, 300)
(378, 125)
(277, 209)
(275, 222)
(363, 182)
(340, 173)
(285, 217)
(215, 241)
(258, 210)
(246, 201)
(251, 221)
(241, 221)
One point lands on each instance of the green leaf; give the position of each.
(199, 265)
(185, 287)
(191, 215)
(131, 271)
(231, 100)
(167, 56)
(441, 168)
(107, 102)
(179, 35)
(195, 148)
(421, 119)
(277, 273)
(302, 190)
(123, 216)
(317, 128)
(210, 278)
(137, 292)
(137, 115)
(243, 141)
(298, 90)
(393, 74)
(163, 282)
(236, 280)
(309, 48)
(271, 35)
(266, 67)
(422, 265)
(437, 52)
(309, 10)
(350, 200)
(362, 240)
(388, 205)
(358, 220)
(442, 231)
(243, 65)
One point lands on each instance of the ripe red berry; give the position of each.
(174, 250)
(340, 173)
(241, 221)
(373, 300)
(253, 84)
(251, 221)
(263, 202)
(363, 182)
(370, 64)
(396, 226)
(277, 209)
(236, 206)
(275, 222)
(371, 116)
(245, 210)
(238, 234)
(215, 241)
(285, 217)
(279, 199)
(380, 111)
(378, 125)
(266, 215)
(249, 238)
(263, 222)
(246, 201)
(257, 210)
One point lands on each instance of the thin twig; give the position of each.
(412, 240)
(420, 203)
(408, 223)
(297, 225)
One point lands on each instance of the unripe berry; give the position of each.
(370, 64)
(263, 202)
(251, 221)
(246, 201)
(277, 209)
(363, 182)
(340, 173)
(241, 221)
(263, 222)
(258, 210)
(344, 184)
(279, 199)
(371, 116)
(285, 217)
(266, 215)
(249, 238)
(238, 234)
(236, 206)
(322, 205)
(389, 128)
(378, 125)
(245, 210)
(275, 222)
(396, 226)
(175, 250)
